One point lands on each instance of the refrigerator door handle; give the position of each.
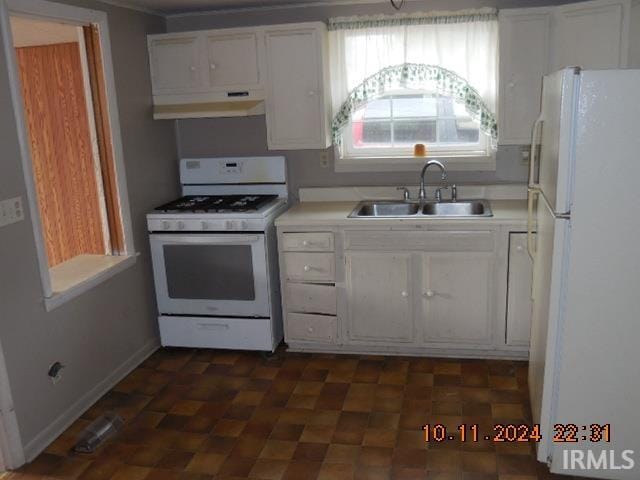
(532, 158)
(531, 249)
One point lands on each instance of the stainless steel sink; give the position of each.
(372, 209)
(386, 209)
(479, 208)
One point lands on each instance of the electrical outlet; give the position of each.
(55, 372)
(11, 211)
(324, 160)
(525, 155)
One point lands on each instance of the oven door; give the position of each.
(211, 274)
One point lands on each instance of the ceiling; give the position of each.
(168, 7)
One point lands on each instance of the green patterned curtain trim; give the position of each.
(420, 77)
(462, 16)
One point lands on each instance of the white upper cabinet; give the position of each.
(538, 41)
(203, 67)
(379, 297)
(591, 35)
(233, 61)
(175, 63)
(524, 53)
(297, 76)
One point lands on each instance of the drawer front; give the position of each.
(312, 328)
(316, 267)
(310, 298)
(444, 241)
(207, 332)
(308, 242)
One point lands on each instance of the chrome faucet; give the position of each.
(422, 194)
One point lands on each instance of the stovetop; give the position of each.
(217, 203)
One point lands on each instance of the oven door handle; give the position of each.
(208, 239)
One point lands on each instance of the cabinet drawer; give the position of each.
(309, 266)
(304, 297)
(308, 242)
(313, 328)
(207, 332)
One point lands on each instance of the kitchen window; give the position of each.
(391, 125)
(418, 78)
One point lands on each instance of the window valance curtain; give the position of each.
(464, 43)
(416, 76)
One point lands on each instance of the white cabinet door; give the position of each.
(296, 114)
(175, 64)
(457, 295)
(519, 291)
(379, 297)
(524, 60)
(232, 60)
(591, 35)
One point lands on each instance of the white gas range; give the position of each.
(215, 256)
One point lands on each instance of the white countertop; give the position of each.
(505, 212)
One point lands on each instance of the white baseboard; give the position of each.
(473, 353)
(42, 440)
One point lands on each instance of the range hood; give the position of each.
(216, 105)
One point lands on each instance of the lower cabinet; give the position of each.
(519, 303)
(379, 302)
(457, 297)
(438, 292)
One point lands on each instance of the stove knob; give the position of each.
(204, 225)
(180, 225)
(228, 224)
(244, 225)
(166, 225)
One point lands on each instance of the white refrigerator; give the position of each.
(584, 199)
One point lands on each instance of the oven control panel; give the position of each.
(204, 225)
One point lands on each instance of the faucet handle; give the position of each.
(454, 193)
(405, 193)
(439, 192)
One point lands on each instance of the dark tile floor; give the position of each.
(204, 414)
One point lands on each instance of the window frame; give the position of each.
(99, 271)
(350, 158)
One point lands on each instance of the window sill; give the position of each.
(80, 274)
(413, 164)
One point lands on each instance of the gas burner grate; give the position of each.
(217, 203)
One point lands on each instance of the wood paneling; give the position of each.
(63, 162)
(103, 133)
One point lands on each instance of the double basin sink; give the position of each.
(389, 209)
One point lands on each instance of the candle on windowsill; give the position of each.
(419, 150)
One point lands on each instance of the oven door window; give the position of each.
(209, 272)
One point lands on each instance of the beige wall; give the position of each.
(95, 334)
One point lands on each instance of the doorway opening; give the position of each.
(64, 97)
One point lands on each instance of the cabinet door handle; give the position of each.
(404, 294)
(213, 326)
(429, 294)
(519, 248)
(312, 93)
(212, 66)
(310, 329)
(307, 268)
(192, 68)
